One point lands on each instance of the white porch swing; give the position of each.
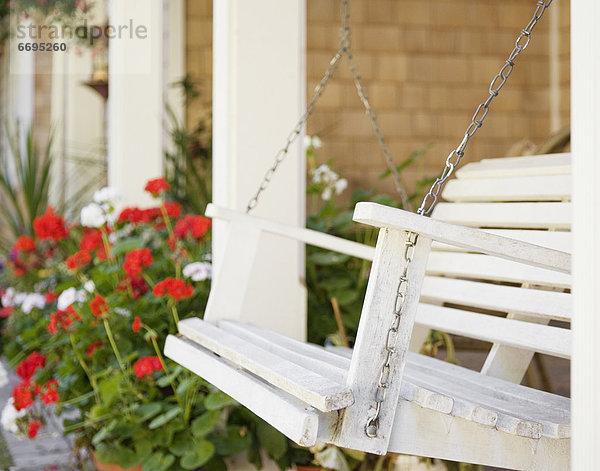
(426, 273)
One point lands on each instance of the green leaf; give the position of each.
(183, 443)
(204, 424)
(166, 380)
(273, 441)
(236, 441)
(158, 462)
(126, 458)
(336, 283)
(185, 385)
(109, 389)
(98, 411)
(328, 258)
(345, 297)
(105, 454)
(143, 448)
(165, 418)
(201, 455)
(218, 400)
(217, 464)
(104, 432)
(127, 245)
(147, 411)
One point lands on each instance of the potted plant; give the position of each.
(90, 307)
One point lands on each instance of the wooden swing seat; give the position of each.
(501, 276)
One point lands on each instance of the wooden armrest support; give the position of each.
(466, 237)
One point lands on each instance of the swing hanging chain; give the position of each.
(344, 49)
(345, 42)
(454, 158)
(372, 424)
(281, 154)
(429, 202)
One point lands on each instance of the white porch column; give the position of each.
(136, 97)
(258, 95)
(585, 127)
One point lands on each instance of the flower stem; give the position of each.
(111, 339)
(167, 220)
(174, 312)
(85, 368)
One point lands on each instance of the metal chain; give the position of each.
(429, 202)
(364, 98)
(344, 49)
(280, 156)
(453, 159)
(372, 424)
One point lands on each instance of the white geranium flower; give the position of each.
(8, 298)
(92, 215)
(313, 141)
(68, 297)
(198, 271)
(10, 416)
(33, 300)
(19, 298)
(89, 286)
(329, 181)
(108, 195)
(340, 185)
(122, 311)
(323, 174)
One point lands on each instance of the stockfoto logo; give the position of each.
(82, 33)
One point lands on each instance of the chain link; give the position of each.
(372, 425)
(453, 159)
(344, 49)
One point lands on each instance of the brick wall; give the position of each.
(426, 64)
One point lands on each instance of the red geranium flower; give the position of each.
(146, 366)
(22, 395)
(190, 225)
(25, 244)
(175, 288)
(154, 187)
(27, 368)
(91, 239)
(92, 348)
(6, 312)
(135, 285)
(50, 394)
(78, 260)
(137, 324)
(33, 428)
(50, 226)
(136, 260)
(98, 306)
(173, 209)
(62, 319)
(51, 297)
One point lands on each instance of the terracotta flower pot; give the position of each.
(112, 467)
(301, 467)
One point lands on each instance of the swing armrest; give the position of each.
(469, 238)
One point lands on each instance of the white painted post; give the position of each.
(585, 126)
(258, 95)
(136, 98)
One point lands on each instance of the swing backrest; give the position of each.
(507, 304)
